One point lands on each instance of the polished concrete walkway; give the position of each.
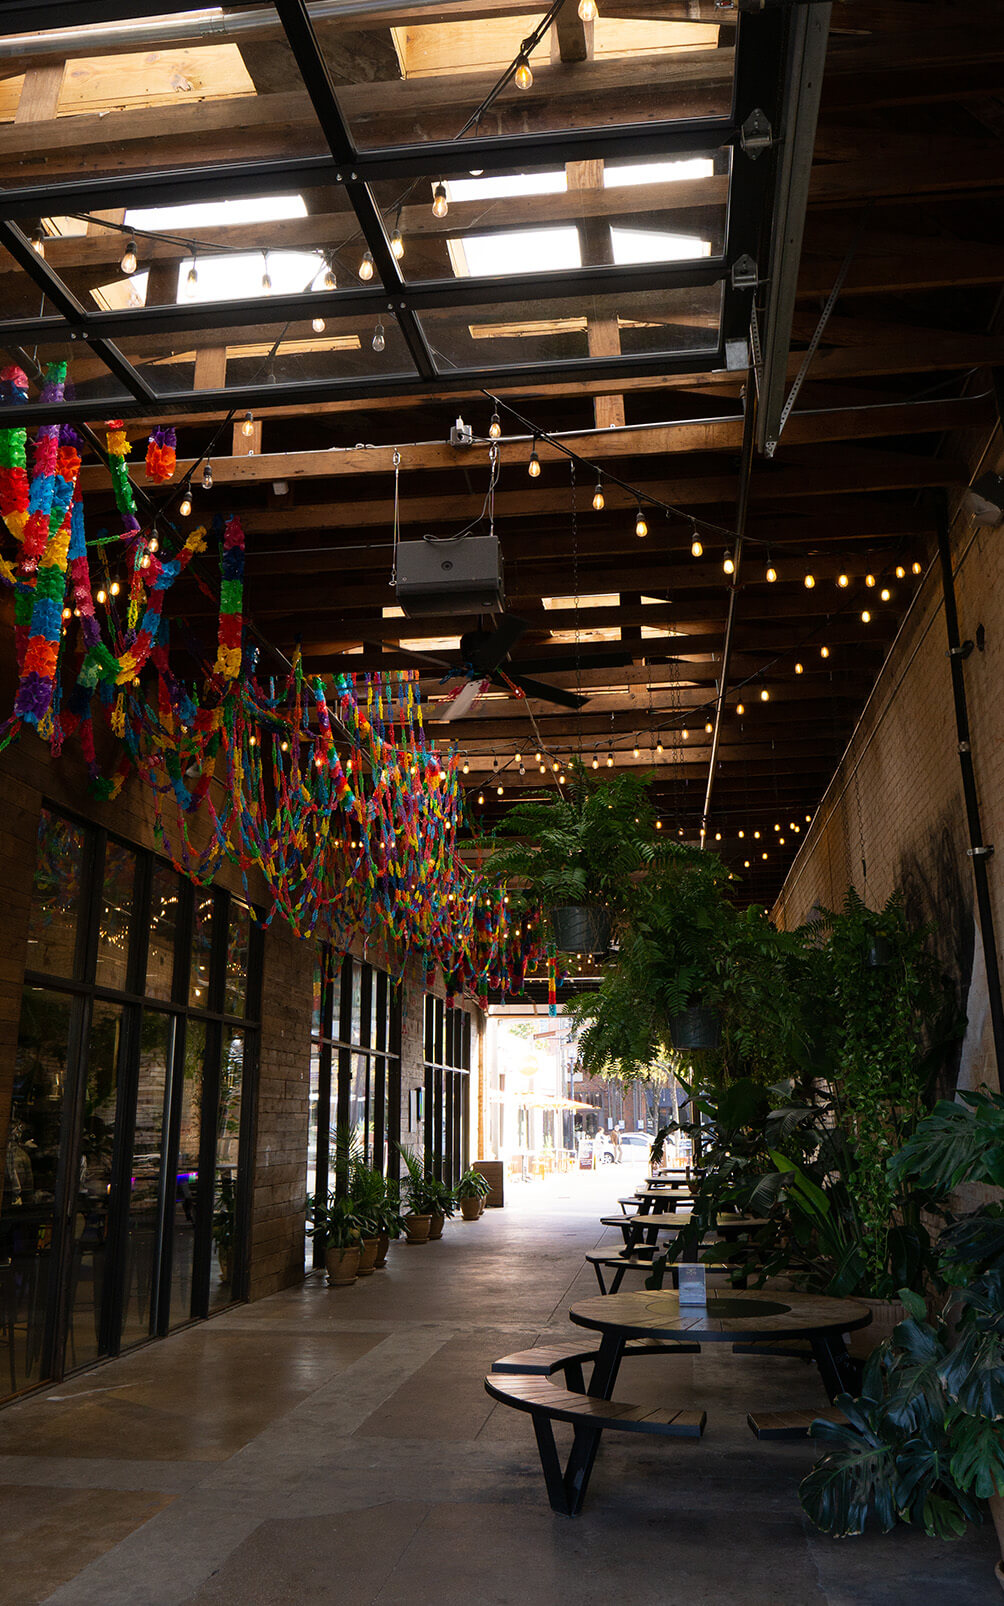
(336, 1448)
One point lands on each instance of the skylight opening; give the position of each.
(517, 252)
(595, 599)
(689, 167)
(506, 185)
(596, 633)
(216, 214)
(652, 245)
(232, 277)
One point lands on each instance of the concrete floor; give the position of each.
(335, 1447)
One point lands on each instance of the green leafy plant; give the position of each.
(225, 1215)
(582, 848)
(333, 1222)
(424, 1194)
(923, 1442)
(472, 1185)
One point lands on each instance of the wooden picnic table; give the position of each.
(649, 1199)
(749, 1316)
(645, 1228)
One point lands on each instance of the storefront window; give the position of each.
(115, 917)
(56, 897)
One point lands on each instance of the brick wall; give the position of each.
(893, 816)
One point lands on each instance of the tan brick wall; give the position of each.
(893, 816)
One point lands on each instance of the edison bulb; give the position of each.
(193, 277)
(129, 262)
(495, 427)
(885, 594)
(824, 652)
(379, 340)
(318, 325)
(247, 427)
(869, 580)
(728, 564)
(397, 244)
(764, 695)
(329, 281)
(524, 77)
(599, 500)
(696, 548)
(440, 205)
(799, 669)
(533, 467)
(366, 267)
(587, 11)
(185, 506)
(843, 581)
(866, 617)
(900, 572)
(771, 574)
(640, 525)
(810, 581)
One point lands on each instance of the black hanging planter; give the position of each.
(580, 928)
(696, 1028)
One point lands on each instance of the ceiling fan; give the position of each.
(478, 665)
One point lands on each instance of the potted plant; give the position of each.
(472, 1190)
(422, 1197)
(224, 1219)
(578, 854)
(368, 1192)
(333, 1223)
(391, 1223)
(443, 1203)
(924, 1443)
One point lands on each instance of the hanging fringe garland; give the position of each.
(332, 795)
(161, 456)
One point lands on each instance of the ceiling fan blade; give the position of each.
(413, 652)
(446, 709)
(537, 688)
(484, 650)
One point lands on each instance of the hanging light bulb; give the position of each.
(67, 613)
(318, 325)
(500, 789)
(824, 652)
(185, 505)
(637, 752)
(555, 766)
(542, 768)
(799, 669)
(810, 581)
(440, 205)
(658, 747)
(764, 694)
(100, 596)
(533, 467)
(843, 581)
(900, 572)
(658, 825)
(610, 761)
(523, 78)
(129, 262)
(740, 708)
(869, 579)
(770, 573)
(866, 617)
(329, 281)
(708, 727)
(397, 239)
(885, 595)
(640, 524)
(467, 767)
(728, 564)
(741, 835)
(366, 267)
(207, 476)
(247, 427)
(38, 243)
(114, 588)
(561, 779)
(495, 427)
(379, 340)
(696, 548)
(685, 734)
(266, 278)
(915, 567)
(587, 11)
(599, 500)
(596, 762)
(192, 278)
(481, 798)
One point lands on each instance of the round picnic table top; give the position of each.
(662, 1193)
(750, 1314)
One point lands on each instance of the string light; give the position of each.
(770, 574)
(658, 747)
(440, 205)
(397, 239)
(866, 617)
(318, 325)
(740, 708)
(809, 582)
(610, 761)
(900, 572)
(266, 278)
(247, 427)
(130, 261)
(685, 734)
(708, 727)
(727, 564)
(114, 588)
(192, 278)
(824, 652)
(658, 825)
(885, 595)
(366, 267)
(637, 752)
(764, 694)
(533, 467)
(640, 525)
(329, 282)
(596, 762)
(495, 427)
(500, 789)
(599, 500)
(741, 835)
(587, 11)
(481, 798)
(467, 767)
(100, 596)
(207, 476)
(696, 546)
(185, 505)
(561, 780)
(915, 567)
(799, 669)
(38, 243)
(67, 613)
(379, 340)
(843, 581)
(523, 78)
(869, 579)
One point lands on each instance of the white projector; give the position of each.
(437, 576)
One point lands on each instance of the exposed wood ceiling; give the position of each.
(908, 173)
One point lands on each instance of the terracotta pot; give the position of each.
(437, 1221)
(886, 1314)
(470, 1208)
(996, 1504)
(417, 1229)
(343, 1266)
(383, 1244)
(368, 1257)
(481, 1205)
